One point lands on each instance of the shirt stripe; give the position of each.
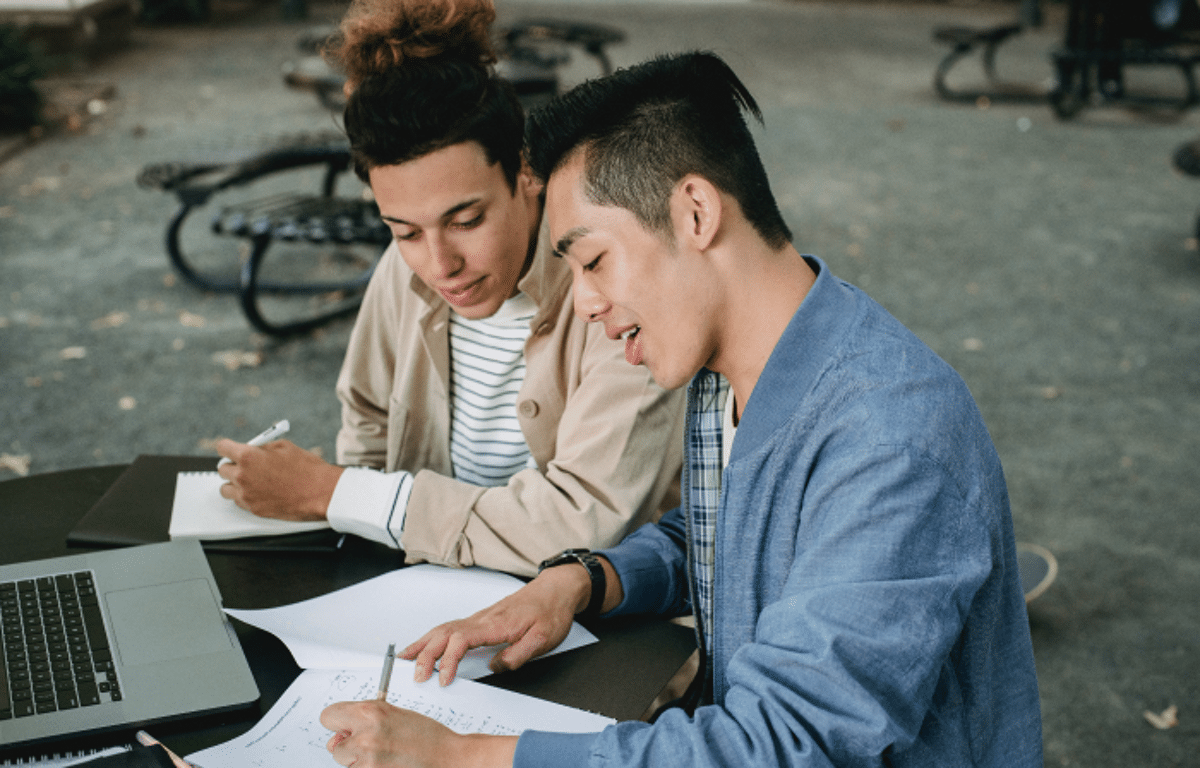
(487, 368)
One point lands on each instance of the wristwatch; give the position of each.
(595, 571)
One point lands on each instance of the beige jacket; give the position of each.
(607, 440)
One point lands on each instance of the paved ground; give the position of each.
(1051, 263)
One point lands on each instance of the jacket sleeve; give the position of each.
(652, 567)
(617, 454)
(364, 384)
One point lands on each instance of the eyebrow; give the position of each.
(450, 212)
(566, 241)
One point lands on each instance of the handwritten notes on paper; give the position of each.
(291, 733)
(348, 628)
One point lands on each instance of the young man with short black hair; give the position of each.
(845, 540)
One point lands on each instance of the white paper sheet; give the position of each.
(199, 511)
(291, 734)
(351, 628)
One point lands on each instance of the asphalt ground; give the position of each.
(1052, 263)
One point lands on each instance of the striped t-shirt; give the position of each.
(487, 368)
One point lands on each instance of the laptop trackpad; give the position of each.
(166, 622)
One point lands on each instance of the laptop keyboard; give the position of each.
(56, 652)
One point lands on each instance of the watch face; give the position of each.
(566, 556)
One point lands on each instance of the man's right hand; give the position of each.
(534, 619)
(279, 480)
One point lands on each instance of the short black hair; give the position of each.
(425, 105)
(644, 128)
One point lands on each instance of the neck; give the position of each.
(533, 206)
(764, 288)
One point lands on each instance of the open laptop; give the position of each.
(114, 640)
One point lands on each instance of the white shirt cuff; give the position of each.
(371, 504)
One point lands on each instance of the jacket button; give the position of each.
(528, 409)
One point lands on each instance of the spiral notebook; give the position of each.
(199, 511)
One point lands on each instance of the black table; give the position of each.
(619, 676)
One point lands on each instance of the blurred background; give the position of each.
(1036, 227)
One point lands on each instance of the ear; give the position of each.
(697, 210)
(527, 181)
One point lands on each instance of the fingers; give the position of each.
(532, 643)
(456, 648)
(231, 449)
(147, 740)
(425, 653)
(449, 643)
(336, 739)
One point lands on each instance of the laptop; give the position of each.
(113, 640)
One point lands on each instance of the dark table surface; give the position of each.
(619, 676)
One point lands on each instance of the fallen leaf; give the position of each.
(1051, 393)
(18, 464)
(233, 359)
(972, 345)
(190, 320)
(111, 320)
(207, 443)
(1168, 718)
(127, 403)
(73, 353)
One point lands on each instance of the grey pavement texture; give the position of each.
(1052, 263)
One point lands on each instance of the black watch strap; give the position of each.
(595, 573)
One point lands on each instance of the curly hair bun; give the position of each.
(380, 35)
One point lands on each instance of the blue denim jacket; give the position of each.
(867, 603)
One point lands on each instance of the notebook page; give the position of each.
(201, 512)
(291, 733)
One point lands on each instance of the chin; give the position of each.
(668, 379)
(478, 311)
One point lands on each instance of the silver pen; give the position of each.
(386, 678)
(275, 431)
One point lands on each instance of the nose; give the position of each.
(590, 305)
(444, 261)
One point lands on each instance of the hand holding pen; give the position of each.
(273, 432)
(385, 680)
(276, 478)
